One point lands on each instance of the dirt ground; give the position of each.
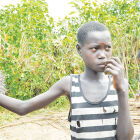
(37, 127)
(53, 126)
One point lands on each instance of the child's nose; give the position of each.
(101, 54)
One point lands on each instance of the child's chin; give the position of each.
(100, 71)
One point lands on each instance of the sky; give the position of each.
(57, 8)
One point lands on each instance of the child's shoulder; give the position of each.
(65, 83)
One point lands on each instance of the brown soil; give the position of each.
(37, 127)
(50, 127)
(135, 115)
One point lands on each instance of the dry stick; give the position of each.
(52, 124)
(20, 123)
(137, 65)
(62, 124)
(131, 89)
(33, 121)
(126, 62)
(50, 74)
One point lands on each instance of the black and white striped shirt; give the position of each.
(90, 121)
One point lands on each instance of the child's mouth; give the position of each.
(103, 64)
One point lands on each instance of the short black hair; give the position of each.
(89, 27)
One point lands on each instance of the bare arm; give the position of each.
(20, 107)
(125, 129)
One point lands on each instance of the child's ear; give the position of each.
(79, 47)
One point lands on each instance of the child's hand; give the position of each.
(115, 68)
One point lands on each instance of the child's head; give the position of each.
(85, 29)
(94, 45)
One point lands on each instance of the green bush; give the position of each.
(36, 51)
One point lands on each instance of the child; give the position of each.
(94, 101)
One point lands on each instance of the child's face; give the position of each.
(96, 50)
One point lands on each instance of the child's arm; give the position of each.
(62, 87)
(125, 129)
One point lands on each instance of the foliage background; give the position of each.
(36, 51)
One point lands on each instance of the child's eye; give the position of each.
(108, 48)
(94, 49)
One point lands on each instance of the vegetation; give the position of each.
(36, 51)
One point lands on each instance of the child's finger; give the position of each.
(113, 62)
(112, 67)
(111, 71)
(117, 60)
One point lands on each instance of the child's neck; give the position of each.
(92, 75)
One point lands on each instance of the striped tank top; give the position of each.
(90, 121)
